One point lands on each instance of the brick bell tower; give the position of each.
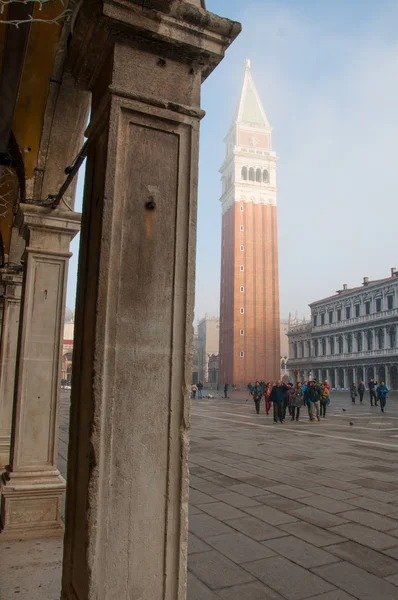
(249, 299)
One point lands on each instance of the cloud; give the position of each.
(331, 95)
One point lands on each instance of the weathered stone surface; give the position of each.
(290, 580)
(236, 500)
(196, 497)
(239, 548)
(198, 590)
(374, 562)
(327, 504)
(312, 534)
(318, 517)
(370, 519)
(217, 571)
(300, 552)
(256, 529)
(288, 491)
(206, 526)
(222, 511)
(356, 581)
(247, 490)
(270, 515)
(196, 545)
(366, 536)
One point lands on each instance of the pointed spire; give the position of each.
(250, 108)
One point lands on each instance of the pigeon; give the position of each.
(344, 409)
(351, 423)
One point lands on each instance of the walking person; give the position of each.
(257, 393)
(267, 393)
(361, 390)
(307, 402)
(353, 392)
(324, 399)
(372, 391)
(277, 397)
(226, 390)
(200, 390)
(314, 393)
(297, 401)
(382, 392)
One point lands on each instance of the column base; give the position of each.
(31, 505)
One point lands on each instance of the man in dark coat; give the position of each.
(277, 397)
(372, 391)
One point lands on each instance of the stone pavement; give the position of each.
(294, 511)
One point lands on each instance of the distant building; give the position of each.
(67, 349)
(195, 357)
(249, 299)
(286, 324)
(352, 336)
(208, 346)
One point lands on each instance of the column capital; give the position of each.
(9, 276)
(44, 228)
(181, 30)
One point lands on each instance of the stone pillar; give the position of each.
(127, 495)
(12, 282)
(387, 381)
(32, 490)
(346, 381)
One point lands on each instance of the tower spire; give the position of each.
(250, 109)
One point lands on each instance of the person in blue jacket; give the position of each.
(382, 392)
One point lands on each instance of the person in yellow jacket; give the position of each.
(324, 399)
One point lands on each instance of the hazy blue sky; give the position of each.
(327, 73)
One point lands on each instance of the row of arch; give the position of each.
(367, 340)
(356, 374)
(258, 175)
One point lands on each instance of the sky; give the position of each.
(327, 75)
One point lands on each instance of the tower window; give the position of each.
(242, 289)
(242, 354)
(241, 228)
(265, 176)
(242, 332)
(251, 174)
(258, 175)
(242, 248)
(244, 173)
(241, 209)
(242, 268)
(242, 311)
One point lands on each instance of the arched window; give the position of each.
(258, 175)
(359, 342)
(316, 347)
(340, 342)
(265, 176)
(370, 339)
(283, 365)
(295, 349)
(349, 342)
(332, 345)
(244, 173)
(251, 174)
(324, 347)
(393, 336)
(380, 339)
(302, 348)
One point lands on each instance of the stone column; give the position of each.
(12, 282)
(346, 382)
(32, 490)
(127, 495)
(387, 370)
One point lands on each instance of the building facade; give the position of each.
(208, 342)
(352, 336)
(249, 299)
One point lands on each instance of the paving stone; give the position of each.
(394, 532)
(375, 506)
(236, 500)
(270, 515)
(335, 595)
(376, 495)
(366, 536)
(256, 529)
(290, 580)
(371, 519)
(392, 579)
(376, 485)
(198, 590)
(196, 497)
(356, 581)
(194, 510)
(318, 517)
(204, 526)
(207, 487)
(249, 591)
(330, 492)
(300, 552)
(312, 534)
(217, 571)
(327, 504)
(283, 504)
(288, 491)
(239, 548)
(393, 552)
(221, 511)
(247, 490)
(196, 545)
(375, 562)
(258, 481)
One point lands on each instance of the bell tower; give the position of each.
(249, 299)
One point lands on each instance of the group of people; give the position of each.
(377, 394)
(289, 399)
